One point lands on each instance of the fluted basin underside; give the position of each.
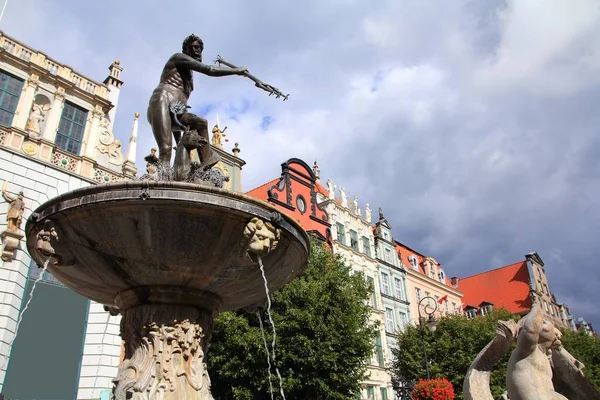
(133, 243)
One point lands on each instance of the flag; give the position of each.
(442, 299)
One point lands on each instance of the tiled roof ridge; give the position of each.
(492, 270)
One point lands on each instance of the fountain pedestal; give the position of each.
(169, 256)
(165, 346)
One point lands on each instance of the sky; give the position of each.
(472, 124)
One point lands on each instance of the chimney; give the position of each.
(454, 281)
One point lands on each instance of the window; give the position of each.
(370, 393)
(437, 299)
(413, 262)
(384, 393)
(470, 313)
(341, 235)
(454, 307)
(446, 306)
(485, 310)
(10, 90)
(353, 240)
(442, 276)
(373, 294)
(546, 306)
(301, 204)
(379, 350)
(403, 320)
(71, 128)
(389, 320)
(388, 255)
(366, 246)
(385, 283)
(398, 287)
(546, 289)
(427, 294)
(385, 235)
(418, 293)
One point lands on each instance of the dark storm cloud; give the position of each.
(472, 123)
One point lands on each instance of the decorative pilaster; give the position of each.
(164, 353)
(54, 117)
(26, 102)
(90, 147)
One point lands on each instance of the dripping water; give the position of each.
(262, 331)
(262, 271)
(39, 278)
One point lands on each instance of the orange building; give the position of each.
(426, 278)
(509, 287)
(295, 194)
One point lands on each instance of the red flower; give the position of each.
(433, 389)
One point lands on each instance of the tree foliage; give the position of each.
(586, 349)
(451, 349)
(323, 338)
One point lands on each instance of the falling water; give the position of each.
(262, 271)
(262, 331)
(39, 278)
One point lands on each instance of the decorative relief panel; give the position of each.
(107, 144)
(64, 161)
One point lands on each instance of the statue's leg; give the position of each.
(160, 121)
(208, 157)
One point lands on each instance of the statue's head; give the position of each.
(193, 47)
(21, 195)
(549, 335)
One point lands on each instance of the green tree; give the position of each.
(323, 338)
(586, 349)
(451, 349)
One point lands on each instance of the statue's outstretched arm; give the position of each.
(530, 331)
(185, 61)
(7, 196)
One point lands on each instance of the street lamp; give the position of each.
(429, 310)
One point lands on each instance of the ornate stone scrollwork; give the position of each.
(260, 238)
(107, 144)
(164, 353)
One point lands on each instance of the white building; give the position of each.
(352, 238)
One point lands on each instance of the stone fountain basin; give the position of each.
(141, 242)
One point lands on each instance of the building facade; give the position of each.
(55, 136)
(352, 237)
(427, 278)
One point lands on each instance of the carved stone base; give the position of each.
(10, 243)
(164, 353)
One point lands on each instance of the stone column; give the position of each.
(26, 102)
(164, 353)
(54, 116)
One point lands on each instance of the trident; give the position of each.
(258, 83)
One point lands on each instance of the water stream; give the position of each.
(39, 278)
(262, 271)
(262, 331)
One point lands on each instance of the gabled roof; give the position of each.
(405, 252)
(260, 192)
(506, 287)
